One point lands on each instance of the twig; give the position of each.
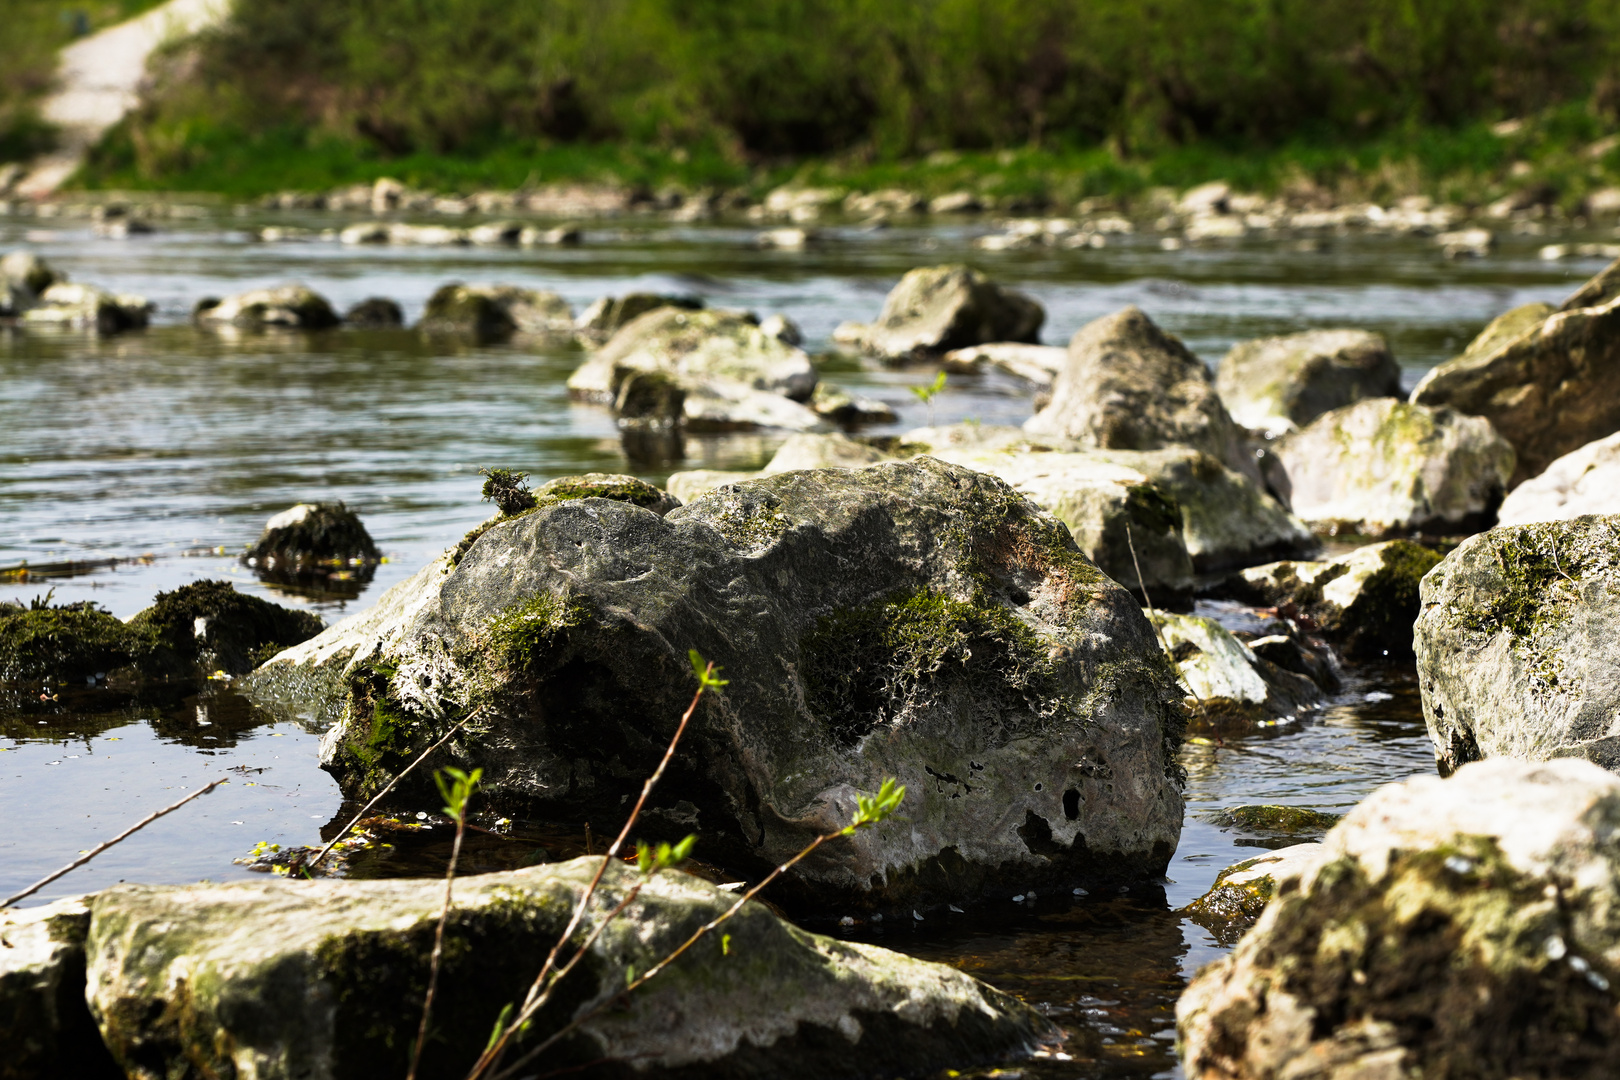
(105, 844)
(1157, 629)
(386, 789)
(438, 946)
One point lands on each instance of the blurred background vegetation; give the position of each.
(1110, 94)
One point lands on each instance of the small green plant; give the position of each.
(457, 788)
(651, 859)
(508, 490)
(926, 394)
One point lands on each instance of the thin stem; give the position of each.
(377, 798)
(438, 946)
(105, 844)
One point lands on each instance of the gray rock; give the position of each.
(850, 410)
(823, 452)
(492, 312)
(599, 322)
(1231, 688)
(1038, 365)
(1277, 385)
(1550, 383)
(277, 979)
(1242, 891)
(1382, 466)
(1130, 386)
(912, 619)
(1584, 481)
(1439, 931)
(1365, 602)
(377, 313)
(28, 271)
(935, 309)
(292, 306)
(1518, 644)
(85, 307)
(45, 1025)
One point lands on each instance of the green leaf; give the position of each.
(650, 859)
(873, 809)
(725, 944)
(457, 787)
(708, 674)
(500, 1026)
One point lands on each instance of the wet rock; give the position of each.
(494, 312)
(1382, 466)
(377, 313)
(1518, 644)
(615, 486)
(722, 405)
(29, 272)
(1128, 385)
(912, 619)
(935, 309)
(1286, 820)
(66, 644)
(89, 308)
(1584, 481)
(314, 545)
(353, 956)
(45, 1025)
(823, 452)
(209, 624)
(1461, 927)
(1466, 243)
(292, 306)
(1277, 385)
(1365, 602)
(1242, 891)
(1232, 688)
(1037, 365)
(850, 410)
(1549, 383)
(604, 318)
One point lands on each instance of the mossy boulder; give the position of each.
(279, 979)
(599, 322)
(85, 307)
(495, 312)
(1548, 382)
(210, 624)
(295, 307)
(1584, 481)
(1461, 927)
(1518, 644)
(1382, 467)
(45, 1025)
(615, 486)
(1365, 602)
(1277, 820)
(935, 309)
(1231, 689)
(1242, 891)
(1279, 384)
(67, 644)
(1128, 385)
(910, 619)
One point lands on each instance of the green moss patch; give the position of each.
(1283, 819)
(67, 643)
(519, 636)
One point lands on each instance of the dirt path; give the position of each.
(99, 81)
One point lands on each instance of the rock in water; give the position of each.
(312, 535)
(910, 619)
(277, 979)
(1277, 385)
(291, 306)
(1130, 386)
(45, 1025)
(28, 271)
(1382, 466)
(1584, 481)
(377, 313)
(86, 307)
(494, 312)
(599, 322)
(1447, 928)
(1242, 891)
(1518, 645)
(935, 309)
(1549, 382)
(1232, 687)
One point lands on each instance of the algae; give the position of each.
(67, 643)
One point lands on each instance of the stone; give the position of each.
(494, 312)
(1280, 384)
(910, 619)
(823, 452)
(1231, 688)
(1460, 927)
(1466, 243)
(720, 405)
(1382, 467)
(599, 322)
(955, 202)
(1584, 481)
(377, 313)
(28, 271)
(1127, 385)
(45, 1024)
(324, 978)
(312, 535)
(1241, 891)
(291, 306)
(86, 307)
(1365, 602)
(1277, 820)
(1037, 365)
(1548, 383)
(494, 233)
(850, 410)
(1518, 644)
(936, 309)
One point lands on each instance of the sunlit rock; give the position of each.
(1277, 385)
(936, 309)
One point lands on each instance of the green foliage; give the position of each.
(653, 858)
(926, 394)
(457, 787)
(874, 809)
(520, 636)
(507, 489)
(708, 673)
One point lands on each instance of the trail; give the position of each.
(99, 81)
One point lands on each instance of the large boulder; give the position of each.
(1549, 382)
(1447, 928)
(85, 307)
(283, 979)
(1382, 466)
(910, 619)
(296, 307)
(493, 312)
(45, 1025)
(935, 309)
(1518, 644)
(1584, 481)
(1277, 385)
(1130, 386)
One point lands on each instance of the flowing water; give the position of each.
(150, 459)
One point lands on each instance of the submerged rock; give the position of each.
(291, 306)
(377, 313)
(604, 318)
(1277, 385)
(1518, 644)
(1461, 927)
(327, 978)
(1584, 481)
(85, 307)
(1383, 466)
(910, 619)
(493, 312)
(1130, 386)
(1232, 687)
(1365, 602)
(935, 309)
(1548, 382)
(45, 1024)
(1242, 891)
